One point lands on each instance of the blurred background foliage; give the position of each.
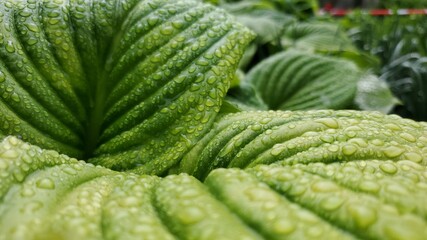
(389, 54)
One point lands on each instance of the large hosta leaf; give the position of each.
(247, 139)
(45, 195)
(294, 80)
(122, 83)
(135, 84)
(298, 80)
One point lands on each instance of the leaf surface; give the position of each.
(124, 84)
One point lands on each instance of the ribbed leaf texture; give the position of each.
(128, 84)
(45, 195)
(296, 80)
(137, 85)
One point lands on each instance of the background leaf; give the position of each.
(295, 80)
(374, 94)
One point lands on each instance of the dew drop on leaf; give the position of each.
(328, 122)
(349, 149)
(414, 157)
(18, 175)
(327, 138)
(408, 137)
(129, 201)
(284, 226)
(27, 192)
(331, 203)
(393, 151)
(2, 77)
(70, 171)
(378, 142)
(363, 216)
(45, 183)
(15, 97)
(369, 186)
(324, 186)
(333, 148)
(191, 215)
(9, 47)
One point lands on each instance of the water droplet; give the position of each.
(9, 47)
(190, 215)
(297, 190)
(45, 183)
(32, 27)
(178, 24)
(25, 13)
(331, 203)
(189, 193)
(27, 192)
(377, 142)
(256, 127)
(202, 62)
(414, 157)
(32, 41)
(408, 137)
(167, 30)
(284, 226)
(363, 215)
(388, 168)
(324, 186)
(291, 146)
(334, 148)
(129, 202)
(393, 127)
(2, 77)
(53, 21)
(153, 20)
(393, 151)
(359, 141)
(276, 151)
(15, 97)
(70, 171)
(209, 103)
(18, 175)
(327, 138)
(212, 79)
(369, 186)
(351, 134)
(329, 122)
(349, 149)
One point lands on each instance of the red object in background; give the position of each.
(380, 12)
(328, 7)
(377, 12)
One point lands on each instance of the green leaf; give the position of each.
(268, 24)
(326, 38)
(374, 94)
(45, 195)
(124, 84)
(295, 80)
(248, 139)
(138, 85)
